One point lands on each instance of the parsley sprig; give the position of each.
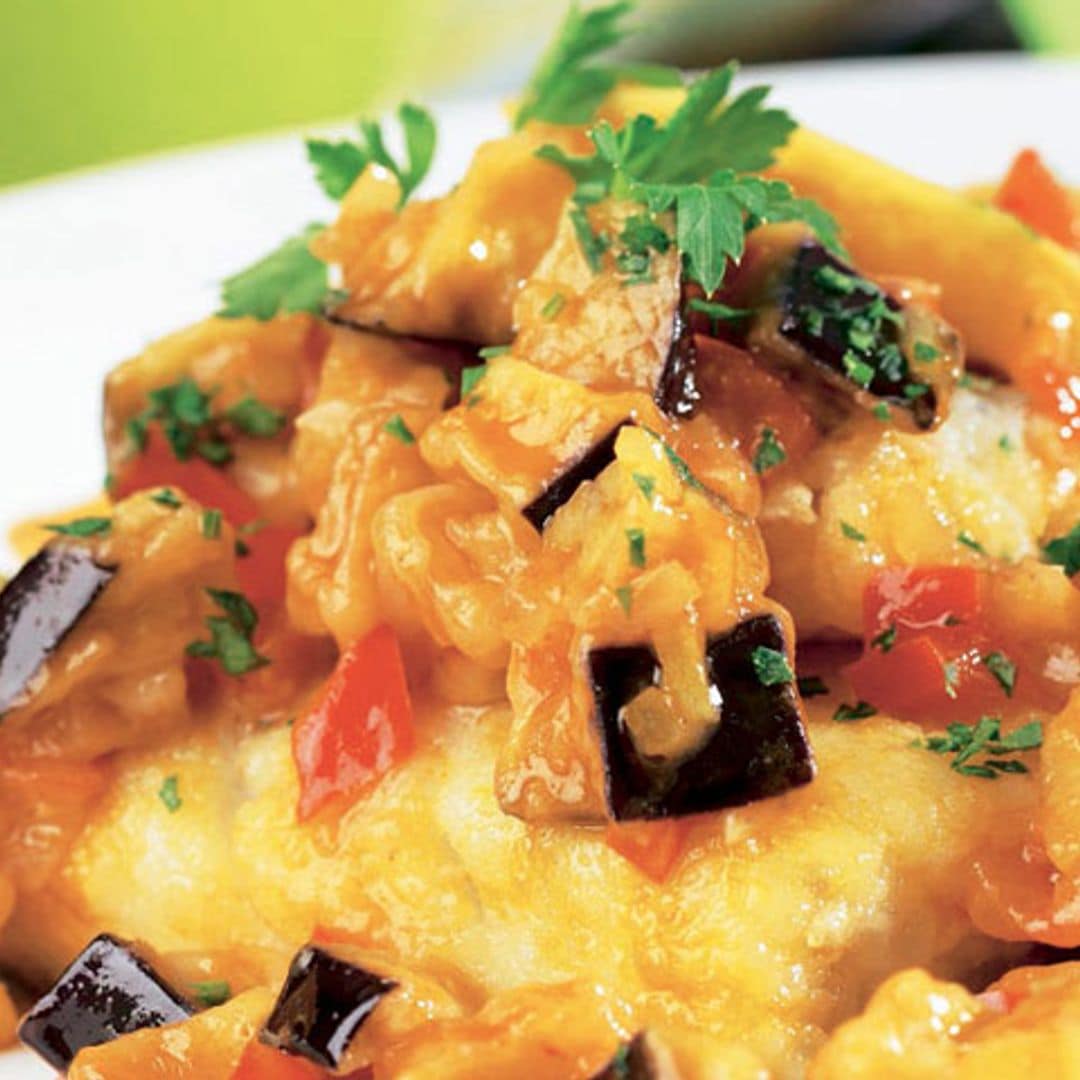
(567, 86)
(967, 741)
(1065, 551)
(230, 634)
(190, 425)
(697, 165)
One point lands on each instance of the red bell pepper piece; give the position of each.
(158, 467)
(360, 729)
(915, 599)
(1031, 192)
(654, 847)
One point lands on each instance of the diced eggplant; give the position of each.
(642, 1058)
(677, 392)
(39, 607)
(851, 331)
(759, 747)
(321, 1007)
(106, 992)
(588, 467)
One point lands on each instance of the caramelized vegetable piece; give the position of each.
(1031, 192)
(360, 728)
(540, 511)
(38, 607)
(758, 749)
(322, 1006)
(642, 1058)
(850, 330)
(106, 992)
(677, 392)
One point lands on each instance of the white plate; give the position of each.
(94, 266)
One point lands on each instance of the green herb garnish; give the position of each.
(169, 793)
(771, 666)
(254, 418)
(859, 711)
(1003, 669)
(852, 533)
(812, 686)
(397, 427)
(926, 353)
(646, 484)
(635, 539)
(885, 640)
(555, 303)
(166, 497)
(211, 993)
(967, 741)
(625, 595)
(211, 524)
(965, 538)
(230, 634)
(87, 526)
(770, 452)
(489, 352)
(1065, 552)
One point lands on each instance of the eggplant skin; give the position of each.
(107, 991)
(677, 393)
(39, 607)
(759, 748)
(542, 509)
(322, 1005)
(638, 1059)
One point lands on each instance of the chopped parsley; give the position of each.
(881, 412)
(812, 686)
(968, 741)
(166, 497)
(695, 164)
(915, 390)
(169, 793)
(87, 526)
(625, 595)
(338, 164)
(211, 524)
(555, 303)
(682, 470)
(1065, 551)
(241, 549)
(254, 418)
(646, 484)
(718, 313)
(470, 377)
(885, 640)
(289, 279)
(1003, 669)
(926, 353)
(397, 427)
(770, 452)
(635, 539)
(771, 666)
(952, 678)
(858, 370)
(230, 634)
(212, 992)
(1005, 443)
(965, 538)
(489, 352)
(861, 710)
(191, 427)
(852, 533)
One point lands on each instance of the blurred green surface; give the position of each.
(89, 81)
(86, 81)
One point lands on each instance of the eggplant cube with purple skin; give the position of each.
(323, 1004)
(758, 748)
(107, 991)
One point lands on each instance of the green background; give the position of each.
(86, 81)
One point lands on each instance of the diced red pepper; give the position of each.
(158, 467)
(654, 847)
(261, 1062)
(1055, 391)
(1031, 192)
(261, 572)
(360, 729)
(915, 599)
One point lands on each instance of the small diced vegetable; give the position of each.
(322, 1006)
(106, 992)
(359, 730)
(39, 606)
